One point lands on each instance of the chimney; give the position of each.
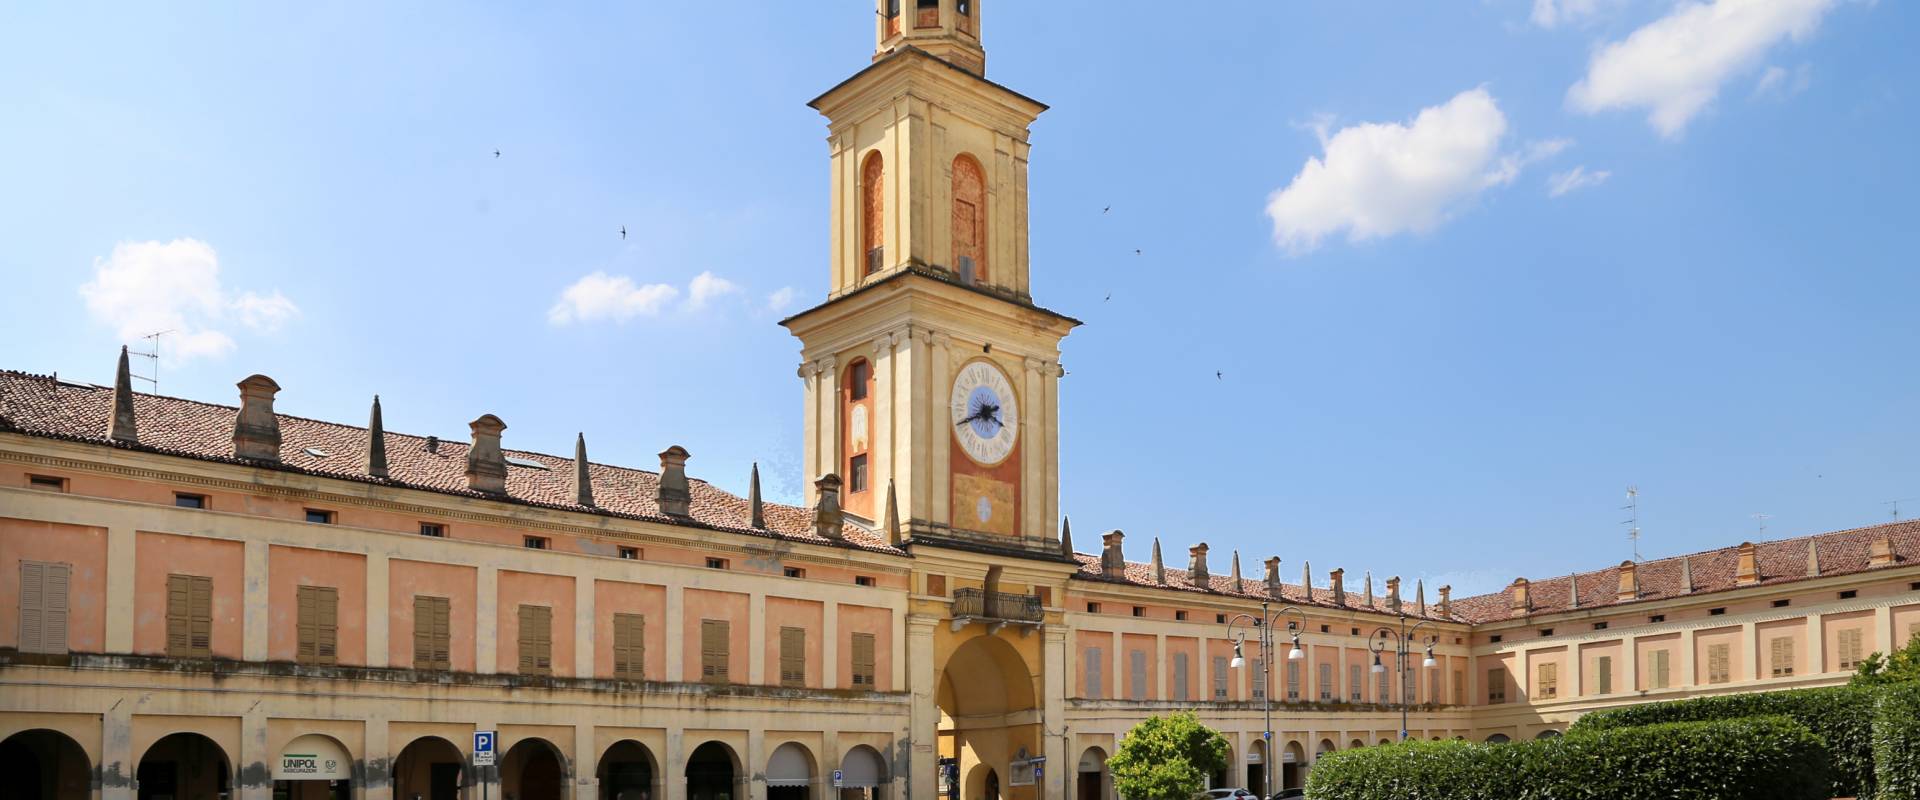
(582, 480)
(433, 444)
(1273, 577)
(827, 518)
(1880, 552)
(1339, 578)
(1686, 575)
(1519, 596)
(1813, 558)
(1573, 590)
(1420, 596)
(1446, 601)
(1393, 594)
(893, 519)
(1197, 566)
(1749, 570)
(675, 496)
(1159, 567)
(757, 510)
(486, 465)
(1629, 582)
(256, 431)
(376, 442)
(122, 428)
(1239, 587)
(1113, 560)
(1370, 588)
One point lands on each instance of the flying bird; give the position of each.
(1136, 252)
(1109, 297)
(1219, 376)
(623, 233)
(496, 152)
(1107, 209)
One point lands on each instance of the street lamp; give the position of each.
(1402, 640)
(1265, 623)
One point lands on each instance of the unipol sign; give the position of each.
(312, 758)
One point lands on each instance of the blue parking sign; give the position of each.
(483, 748)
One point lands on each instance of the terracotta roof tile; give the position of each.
(1139, 574)
(38, 405)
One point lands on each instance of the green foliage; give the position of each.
(1759, 758)
(1901, 667)
(1896, 742)
(1167, 758)
(1842, 716)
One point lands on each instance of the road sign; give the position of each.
(1267, 736)
(1039, 771)
(837, 777)
(483, 748)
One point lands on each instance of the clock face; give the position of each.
(985, 412)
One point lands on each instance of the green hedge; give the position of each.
(1758, 758)
(1896, 743)
(1840, 715)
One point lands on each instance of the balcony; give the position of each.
(995, 609)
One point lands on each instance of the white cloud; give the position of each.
(1575, 179)
(146, 287)
(600, 296)
(1781, 83)
(781, 298)
(707, 286)
(1675, 65)
(1376, 179)
(1554, 13)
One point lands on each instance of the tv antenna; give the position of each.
(1895, 504)
(1762, 517)
(1633, 519)
(153, 356)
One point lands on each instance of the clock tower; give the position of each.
(930, 375)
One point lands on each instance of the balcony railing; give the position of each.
(982, 604)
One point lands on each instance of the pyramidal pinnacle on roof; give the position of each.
(122, 427)
(1813, 558)
(1420, 596)
(582, 481)
(893, 518)
(1369, 588)
(1573, 590)
(1238, 586)
(756, 509)
(1066, 529)
(1159, 568)
(376, 442)
(1686, 575)
(1306, 579)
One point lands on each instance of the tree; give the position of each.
(1901, 667)
(1167, 758)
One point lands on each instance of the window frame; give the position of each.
(47, 483)
(197, 502)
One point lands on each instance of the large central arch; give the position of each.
(989, 716)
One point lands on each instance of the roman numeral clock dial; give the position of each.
(985, 413)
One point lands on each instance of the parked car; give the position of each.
(1289, 794)
(1228, 794)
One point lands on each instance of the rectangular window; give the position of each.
(1717, 612)
(1657, 618)
(793, 656)
(1496, 638)
(1604, 667)
(1180, 615)
(536, 640)
(432, 529)
(714, 644)
(1090, 660)
(1220, 677)
(431, 633)
(1546, 684)
(863, 660)
(319, 625)
(47, 482)
(1459, 687)
(630, 647)
(857, 474)
(1657, 675)
(1383, 690)
(630, 553)
(184, 500)
(319, 516)
(1326, 682)
(1600, 626)
(1719, 663)
(43, 606)
(1782, 647)
(1179, 676)
(1849, 594)
(1093, 608)
(937, 586)
(1356, 682)
(1136, 675)
(716, 563)
(1782, 603)
(1545, 632)
(863, 580)
(793, 572)
(535, 542)
(1260, 678)
(1496, 686)
(1850, 648)
(1293, 681)
(1139, 611)
(189, 616)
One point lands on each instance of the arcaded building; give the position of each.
(204, 600)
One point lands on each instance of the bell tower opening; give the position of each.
(947, 29)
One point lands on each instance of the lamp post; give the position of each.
(1402, 639)
(1265, 623)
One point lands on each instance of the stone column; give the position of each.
(939, 481)
(1050, 455)
(1053, 656)
(253, 640)
(830, 645)
(121, 543)
(1158, 689)
(911, 466)
(1576, 668)
(1630, 666)
(586, 763)
(375, 752)
(676, 639)
(1687, 664)
(829, 425)
(253, 774)
(486, 621)
(809, 373)
(881, 430)
(923, 716)
(377, 611)
(674, 766)
(1750, 639)
(583, 627)
(1033, 425)
(757, 639)
(1816, 646)
(751, 787)
(118, 764)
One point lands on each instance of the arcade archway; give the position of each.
(1293, 763)
(863, 774)
(989, 724)
(712, 773)
(1092, 781)
(45, 765)
(428, 768)
(626, 772)
(532, 770)
(790, 773)
(183, 765)
(313, 767)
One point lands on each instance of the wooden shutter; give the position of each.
(1496, 686)
(1259, 677)
(714, 635)
(43, 607)
(1548, 680)
(189, 616)
(1137, 675)
(1091, 660)
(1459, 687)
(1220, 677)
(536, 640)
(1719, 670)
(1293, 680)
(1179, 676)
(1782, 656)
(1355, 683)
(863, 671)
(1604, 666)
(430, 633)
(318, 625)
(1326, 681)
(793, 656)
(1657, 664)
(1384, 690)
(630, 647)
(1849, 648)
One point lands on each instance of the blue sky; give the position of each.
(1468, 269)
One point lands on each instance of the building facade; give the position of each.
(203, 600)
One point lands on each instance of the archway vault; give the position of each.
(988, 696)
